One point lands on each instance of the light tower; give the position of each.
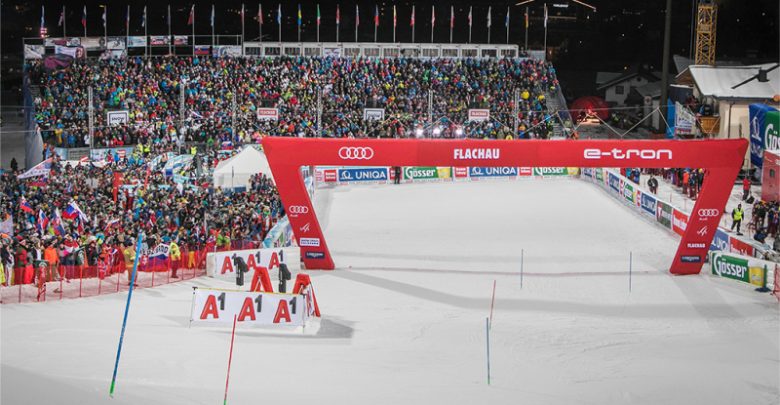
(706, 28)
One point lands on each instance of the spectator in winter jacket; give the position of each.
(652, 183)
(745, 188)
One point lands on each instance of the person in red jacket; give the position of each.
(745, 188)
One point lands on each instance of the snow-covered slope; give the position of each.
(404, 316)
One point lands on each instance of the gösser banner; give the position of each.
(722, 159)
(220, 264)
(250, 307)
(741, 268)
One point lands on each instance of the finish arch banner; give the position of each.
(721, 159)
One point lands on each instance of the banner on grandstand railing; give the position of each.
(116, 43)
(102, 154)
(41, 169)
(91, 43)
(180, 40)
(226, 50)
(479, 114)
(679, 221)
(685, 121)
(117, 117)
(741, 268)
(268, 114)
(75, 52)
(34, 51)
(136, 42)
(159, 40)
(363, 174)
(202, 50)
(250, 307)
(373, 114)
(72, 41)
(477, 172)
(221, 264)
(555, 171)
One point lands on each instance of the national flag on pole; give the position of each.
(25, 206)
(395, 18)
(42, 223)
(545, 15)
(433, 16)
(127, 17)
(279, 15)
(84, 17)
(56, 223)
(452, 17)
(318, 15)
(376, 15)
(338, 15)
(212, 16)
(412, 22)
(191, 19)
(357, 16)
(526, 17)
(105, 9)
(43, 11)
(260, 14)
(72, 211)
(62, 17)
(469, 16)
(300, 16)
(488, 17)
(143, 18)
(506, 20)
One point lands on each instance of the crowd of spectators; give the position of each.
(189, 215)
(222, 95)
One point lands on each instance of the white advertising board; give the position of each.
(220, 306)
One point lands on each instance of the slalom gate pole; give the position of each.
(127, 309)
(492, 302)
(521, 267)
(487, 340)
(630, 268)
(230, 358)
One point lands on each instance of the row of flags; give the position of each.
(259, 17)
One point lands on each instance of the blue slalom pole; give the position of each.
(127, 309)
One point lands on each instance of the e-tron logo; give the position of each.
(356, 153)
(709, 212)
(298, 209)
(622, 154)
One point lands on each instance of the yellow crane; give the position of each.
(706, 30)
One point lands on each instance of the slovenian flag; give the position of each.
(25, 206)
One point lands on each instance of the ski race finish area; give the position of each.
(721, 159)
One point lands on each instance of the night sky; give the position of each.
(619, 35)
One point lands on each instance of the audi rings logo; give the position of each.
(298, 209)
(709, 212)
(356, 153)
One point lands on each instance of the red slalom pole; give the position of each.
(230, 359)
(492, 301)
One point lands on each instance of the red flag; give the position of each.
(452, 18)
(412, 23)
(338, 15)
(191, 20)
(376, 16)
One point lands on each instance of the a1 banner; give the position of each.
(221, 264)
(679, 222)
(220, 306)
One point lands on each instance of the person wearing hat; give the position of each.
(736, 215)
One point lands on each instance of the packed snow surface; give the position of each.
(404, 315)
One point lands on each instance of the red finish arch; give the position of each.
(721, 159)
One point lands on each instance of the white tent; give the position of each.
(236, 171)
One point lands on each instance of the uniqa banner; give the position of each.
(250, 307)
(741, 268)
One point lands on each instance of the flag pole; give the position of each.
(490, 22)
(357, 21)
(318, 22)
(452, 21)
(242, 25)
(193, 30)
(127, 28)
(507, 24)
(260, 20)
(169, 30)
(413, 23)
(470, 16)
(395, 19)
(105, 25)
(376, 20)
(146, 35)
(338, 21)
(545, 32)
(64, 23)
(433, 21)
(526, 29)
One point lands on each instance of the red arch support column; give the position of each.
(721, 159)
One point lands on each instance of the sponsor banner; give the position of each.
(648, 203)
(525, 171)
(690, 259)
(315, 255)
(117, 117)
(34, 51)
(720, 241)
(479, 114)
(554, 171)
(309, 242)
(7, 226)
(100, 154)
(373, 114)
(740, 247)
(460, 172)
(416, 173)
(116, 43)
(75, 52)
(679, 222)
(159, 40)
(136, 42)
(664, 214)
(764, 132)
(376, 174)
(614, 182)
(221, 264)
(202, 50)
(227, 50)
(91, 43)
(74, 41)
(477, 172)
(628, 192)
(268, 114)
(685, 121)
(250, 307)
(741, 268)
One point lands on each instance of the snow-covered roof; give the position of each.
(718, 81)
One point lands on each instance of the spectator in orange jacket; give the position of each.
(52, 257)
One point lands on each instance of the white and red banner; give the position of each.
(479, 114)
(268, 114)
(251, 307)
(221, 265)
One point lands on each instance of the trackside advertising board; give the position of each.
(363, 174)
(742, 268)
(417, 173)
(484, 172)
(220, 306)
(221, 264)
